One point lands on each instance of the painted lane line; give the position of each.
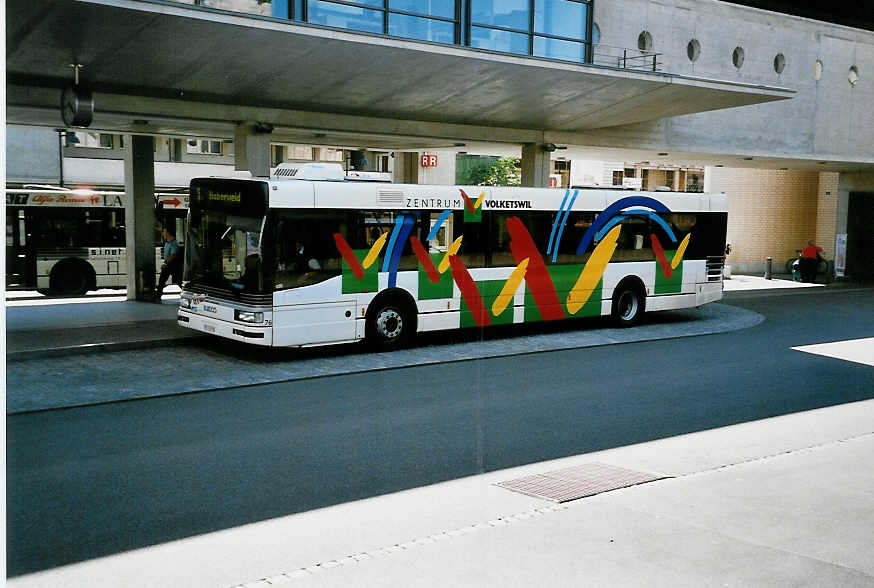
(855, 350)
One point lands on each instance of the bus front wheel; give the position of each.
(629, 304)
(390, 324)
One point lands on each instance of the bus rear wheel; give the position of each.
(629, 304)
(389, 325)
(69, 277)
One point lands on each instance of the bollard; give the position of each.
(767, 268)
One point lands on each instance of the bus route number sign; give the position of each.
(429, 160)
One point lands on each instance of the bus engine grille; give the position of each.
(714, 268)
(224, 294)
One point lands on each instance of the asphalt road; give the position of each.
(97, 480)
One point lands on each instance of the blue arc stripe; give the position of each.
(386, 261)
(440, 220)
(555, 222)
(622, 216)
(613, 210)
(563, 223)
(406, 229)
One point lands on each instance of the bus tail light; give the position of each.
(248, 317)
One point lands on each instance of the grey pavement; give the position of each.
(785, 501)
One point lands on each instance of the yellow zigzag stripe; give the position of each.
(479, 201)
(374, 251)
(510, 287)
(591, 274)
(678, 256)
(453, 249)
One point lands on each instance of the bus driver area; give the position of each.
(298, 262)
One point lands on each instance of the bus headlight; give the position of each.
(248, 317)
(185, 302)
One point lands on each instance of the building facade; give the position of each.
(775, 107)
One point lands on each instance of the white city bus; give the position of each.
(69, 241)
(296, 262)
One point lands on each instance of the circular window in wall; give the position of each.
(853, 75)
(693, 50)
(779, 63)
(737, 57)
(817, 69)
(644, 41)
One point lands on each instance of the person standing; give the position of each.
(172, 266)
(810, 257)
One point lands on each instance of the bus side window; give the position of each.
(634, 241)
(473, 246)
(574, 230)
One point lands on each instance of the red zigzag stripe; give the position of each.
(660, 256)
(349, 256)
(469, 292)
(425, 260)
(537, 277)
(467, 202)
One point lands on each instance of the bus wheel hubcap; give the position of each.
(627, 305)
(389, 323)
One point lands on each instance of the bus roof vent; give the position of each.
(390, 197)
(309, 171)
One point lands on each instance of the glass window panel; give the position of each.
(495, 40)
(512, 14)
(562, 18)
(555, 49)
(248, 6)
(345, 17)
(425, 29)
(444, 8)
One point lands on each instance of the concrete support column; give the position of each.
(139, 215)
(535, 165)
(406, 168)
(252, 148)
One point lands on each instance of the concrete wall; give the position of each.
(443, 174)
(829, 118)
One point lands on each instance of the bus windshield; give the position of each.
(224, 251)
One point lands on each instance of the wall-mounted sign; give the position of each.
(428, 160)
(633, 183)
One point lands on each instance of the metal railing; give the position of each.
(624, 58)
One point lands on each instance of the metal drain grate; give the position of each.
(578, 482)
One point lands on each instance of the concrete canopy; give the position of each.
(175, 69)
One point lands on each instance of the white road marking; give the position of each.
(856, 350)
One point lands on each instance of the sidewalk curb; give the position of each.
(730, 295)
(14, 356)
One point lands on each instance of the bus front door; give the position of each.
(20, 261)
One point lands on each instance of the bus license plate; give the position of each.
(209, 328)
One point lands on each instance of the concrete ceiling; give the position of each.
(175, 69)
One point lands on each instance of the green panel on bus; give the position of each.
(473, 217)
(664, 285)
(488, 290)
(368, 283)
(442, 289)
(563, 278)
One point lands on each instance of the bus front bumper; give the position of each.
(253, 334)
